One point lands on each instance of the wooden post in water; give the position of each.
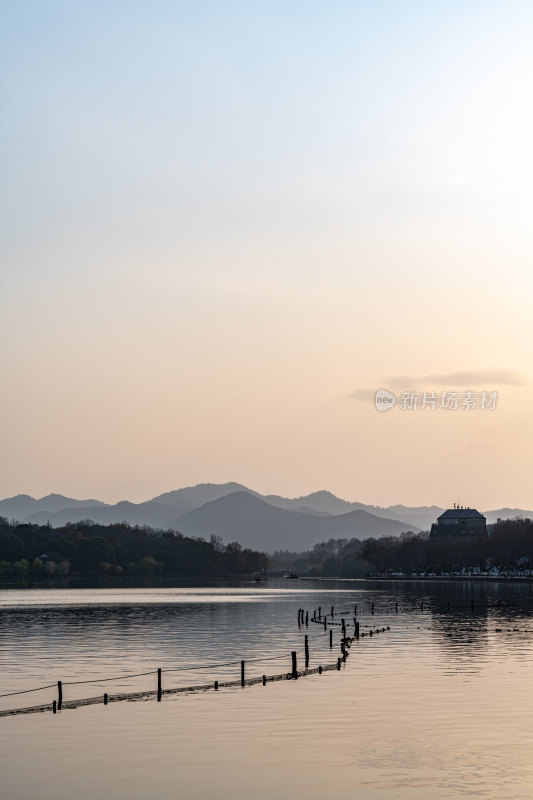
(396, 607)
(372, 607)
(357, 630)
(320, 670)
(343, 623)
(216, 686)
(294, 665)
(159, 690)
(325, 622)
(331, 638)
(105, 698)
(332, 612)
(59, 695)
(264, 680)
(319, 613)
(242, 673)
(421, 606)
(54, 705)
(307, 652)
(339, 663)
(355, 610)
(307, 619)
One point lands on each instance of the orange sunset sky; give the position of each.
(225, 226)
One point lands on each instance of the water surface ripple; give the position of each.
(437, 707)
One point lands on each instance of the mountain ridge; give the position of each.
(173, 509)
(253, 522)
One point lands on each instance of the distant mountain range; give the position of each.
(250, 520)
(236, 513)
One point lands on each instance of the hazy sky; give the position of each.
(224, 225)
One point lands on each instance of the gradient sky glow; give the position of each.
(223, 223)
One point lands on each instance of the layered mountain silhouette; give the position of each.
(22, 506)
(255, 523)
(237, 513)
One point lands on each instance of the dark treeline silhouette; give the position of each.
(336, 557)
(509, 546)
(119, 549)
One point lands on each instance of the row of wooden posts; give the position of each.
(324, 619)
(294, 674)
(57, 704)
(345, 641)
(303, 616)
(325, 622)
(303, 619)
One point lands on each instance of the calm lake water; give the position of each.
(439, 706)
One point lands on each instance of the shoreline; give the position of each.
(438, 578)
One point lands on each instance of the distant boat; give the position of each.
(291, 575)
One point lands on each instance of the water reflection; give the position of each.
(69, 634)
(434, 708)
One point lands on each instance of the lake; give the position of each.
(436, 707)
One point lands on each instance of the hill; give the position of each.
(314, 521)
(255, 523)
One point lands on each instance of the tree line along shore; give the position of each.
(508, 548)
(86, 549)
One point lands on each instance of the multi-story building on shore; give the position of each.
(461, 522)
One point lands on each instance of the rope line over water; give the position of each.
(304, 618)
(164, 669)
(147, 694)
(27, 691)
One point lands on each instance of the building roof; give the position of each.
(54, 556)
(461, 513)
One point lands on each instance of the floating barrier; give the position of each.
(326, 620)
(159, 692)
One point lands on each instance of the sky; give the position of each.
(225, 226)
